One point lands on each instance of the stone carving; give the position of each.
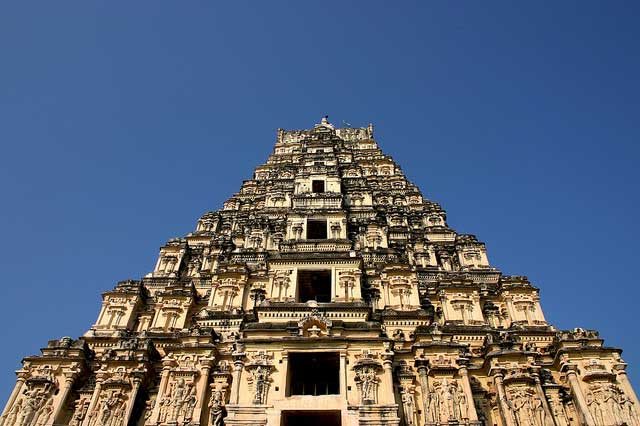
(80, 411)
(110, 409)
(526, 407)
(558, 410)
(397, 275)
(34, 408)
(260, 369)
(447, 401)
(216, 408)
(367, 380)
(608, 405)
(178, 404)
(409, 407)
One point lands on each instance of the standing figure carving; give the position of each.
(182, 401)
(110, 411)
(526, 407)
(33, 409)
(367, 381)
(216, 409)
(447, 401)
(610, 405)
(408, 406)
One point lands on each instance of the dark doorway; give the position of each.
(317, 186)
(314, 373)
(310, 418)
(314, 285)
(316, 229)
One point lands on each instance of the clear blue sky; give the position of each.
(122, 122)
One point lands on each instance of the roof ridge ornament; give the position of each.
(324, 123)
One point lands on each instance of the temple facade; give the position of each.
(327, 291)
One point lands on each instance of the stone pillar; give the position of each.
(283, 372)
(578, 396)
(137, 379)
(238, 364)
(388, 396)
(22, 377)
(545, 404)
(424, 390)
(167, 363)
(505, 410)
(202, 391)
(620, 370)
(466, 387)
(69, 378)
(100, 376)
(343, 374)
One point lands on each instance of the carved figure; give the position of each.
(526, 407)
(409, 408)
(261, 379)
(13, 414)
(216, 409)
(31, 404)
(182, 401)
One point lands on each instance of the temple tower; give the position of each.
(327, 291)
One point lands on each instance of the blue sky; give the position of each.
(122, 122)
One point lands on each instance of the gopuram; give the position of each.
(327, 291)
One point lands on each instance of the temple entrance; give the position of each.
(310, 418)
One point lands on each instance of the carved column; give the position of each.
(68, 383)
(167, 363)
(343, 374)
(505, 410)
(137, 379)
(620, 370)
(100, 376)
(424, 388)
(204, 381)
(545, 404)
(22, 377)
(578, 396)
(466, 387)
(238, 364)
(283, 372)
(387, 377)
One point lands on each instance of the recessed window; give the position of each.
(316, 229)
(311, 418)
(314, 285)
(317, 186)
(314, 373)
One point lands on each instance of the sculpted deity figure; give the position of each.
(526, 407)
(597, 405)
(434, 403)
(409, 408)
(460, 400)
(12, 417)
(45, 413)
(182, 401)
(368, 384)
(216, 409)
(558, 411)
(628, 411)
(80, 411)
(33, 400)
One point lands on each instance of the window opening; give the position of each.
(314, 285)
(314, 373)
(311, 418)
(317, 186)
(316, 229)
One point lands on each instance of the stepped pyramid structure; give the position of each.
(327, 291)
